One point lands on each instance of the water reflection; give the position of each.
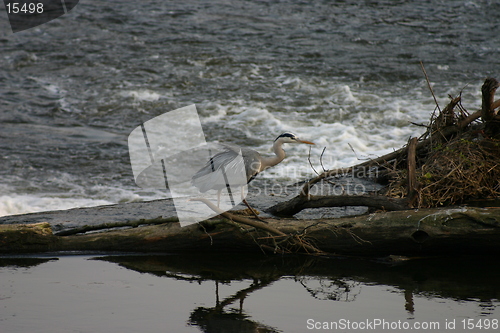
(471, 279)
(26, 262)
(222, 318)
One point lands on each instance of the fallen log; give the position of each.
(22, 238)
(298, 203)
(462, 230)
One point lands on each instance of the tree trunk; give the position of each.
(411, 232)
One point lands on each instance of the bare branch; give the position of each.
(429, 85)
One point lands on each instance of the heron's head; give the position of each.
(289, 137)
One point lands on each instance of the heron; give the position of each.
(209, 177)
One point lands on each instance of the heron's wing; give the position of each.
(252, 161)
(226, 166)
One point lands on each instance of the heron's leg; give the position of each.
(218, 197)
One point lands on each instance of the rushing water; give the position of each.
(338, 73)
(169, 293)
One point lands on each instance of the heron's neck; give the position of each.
(268, 162)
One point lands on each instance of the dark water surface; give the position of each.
(170, 293)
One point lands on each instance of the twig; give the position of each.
(469, 119)
(417, 124)
(356, 238)
(209, 236)
(259, 225)
(310, 163)
(321, 159)
(429, 85)
(355, 154)
(311, 225)
(256, 224)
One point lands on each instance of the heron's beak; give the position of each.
(308, 142)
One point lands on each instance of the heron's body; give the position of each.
(209, 177)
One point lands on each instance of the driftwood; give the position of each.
(282, 242)
(410, 232)
(488, 104)
(412, 165)
(298, 203)
(412, 175)
(488, 113)
(361, 167)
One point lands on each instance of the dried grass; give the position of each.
(452, 170)
(460, 170)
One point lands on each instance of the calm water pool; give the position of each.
(217, 293)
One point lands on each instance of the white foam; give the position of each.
(142, 95)
(26, 203)
(75, 195)
(340, 117)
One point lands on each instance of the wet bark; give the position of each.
(410, 232)
(297, 204)
(489, 114)
(413, 185)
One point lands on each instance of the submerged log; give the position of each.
(411, 232)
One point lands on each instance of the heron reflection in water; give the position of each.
(209, 177)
